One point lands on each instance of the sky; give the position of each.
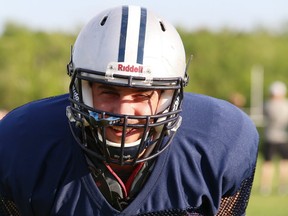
(69, 15)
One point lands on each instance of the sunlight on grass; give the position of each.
(260, 205)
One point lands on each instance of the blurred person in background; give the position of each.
(237, 99)
(275, 139)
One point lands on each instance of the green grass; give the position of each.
(260, 205)
(272, 205)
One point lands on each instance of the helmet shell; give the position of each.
(130, 39)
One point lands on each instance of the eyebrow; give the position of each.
(106, 87)
(102, 86)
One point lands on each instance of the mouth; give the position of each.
(115, 134)
(119, 129)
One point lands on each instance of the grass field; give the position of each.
(272, 205)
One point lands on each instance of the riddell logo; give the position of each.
(130, 68)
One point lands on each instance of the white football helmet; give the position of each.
(132, 47)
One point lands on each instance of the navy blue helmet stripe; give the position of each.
(123, 33)
(141, 40)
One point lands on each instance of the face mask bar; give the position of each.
(124, 154)
(129, 81)
(96, 121)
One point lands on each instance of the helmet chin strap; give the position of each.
(105, 122)
(117, 145)
(129, 150)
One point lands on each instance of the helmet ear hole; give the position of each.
(102, 23)
(163, 28)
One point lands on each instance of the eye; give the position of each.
(109, 94)
(143, 96)
(106, 95)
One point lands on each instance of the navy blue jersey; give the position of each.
(44, 172)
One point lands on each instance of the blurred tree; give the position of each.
(223, 60)
(33, 63)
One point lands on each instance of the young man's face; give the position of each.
(125, 101)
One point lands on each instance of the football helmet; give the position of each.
(127, 46)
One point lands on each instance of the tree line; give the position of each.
(33, 63)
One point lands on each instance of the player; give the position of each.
(275, 139)
(134, 142)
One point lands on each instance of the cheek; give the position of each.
(155, 101)
(150, 107)
(100, 102)
(103, 105)
(144, 109)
